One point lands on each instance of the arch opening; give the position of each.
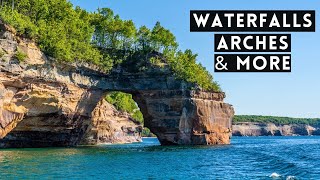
(125, 103)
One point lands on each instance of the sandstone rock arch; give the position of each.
(44, 103)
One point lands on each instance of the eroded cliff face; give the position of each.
(108, 125)
(41, 114)
(41, 111)
(187, 117)
(10, 113)
(271, 129)
(45, 103)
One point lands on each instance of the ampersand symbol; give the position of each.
(219, 65)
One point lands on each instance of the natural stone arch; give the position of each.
(66, 95)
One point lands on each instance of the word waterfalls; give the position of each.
(276, 48)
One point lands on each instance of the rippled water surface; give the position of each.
(245, 158)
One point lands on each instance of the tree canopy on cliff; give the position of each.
(103, 38)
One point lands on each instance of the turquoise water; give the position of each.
(245, 158)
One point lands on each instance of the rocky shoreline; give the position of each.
(272, 129)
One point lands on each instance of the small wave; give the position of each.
(291, 178)
(274, 175)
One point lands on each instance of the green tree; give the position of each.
(144, 38)
(101, 21)
(128, 34)
(113, 32)
(162, 39)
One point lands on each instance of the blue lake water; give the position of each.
(245, 158)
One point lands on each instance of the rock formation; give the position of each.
(49, 103)
(271, 129)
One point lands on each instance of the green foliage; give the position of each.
(72, 34)
(20, 56)
(147, 133)
(185, 67)
(144, 39)
(111, 31)
(124, 102)
(162, 39)
(276, 120)
(2, 53)
(22, 24)
(138, 116)
(60, 30)
(157, 61)
(114, 36)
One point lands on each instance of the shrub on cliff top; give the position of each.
(73, 34)
(184, 65)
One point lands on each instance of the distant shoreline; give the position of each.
(253, 125)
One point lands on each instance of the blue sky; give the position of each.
(295, 94)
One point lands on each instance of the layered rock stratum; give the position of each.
(271, 129)
(49, 103)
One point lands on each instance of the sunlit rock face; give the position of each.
(271, 129)
(45, 103)
(43, 114)
(187, 117)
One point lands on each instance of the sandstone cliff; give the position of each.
(46, 103)
(39, 112)
(271, 129)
